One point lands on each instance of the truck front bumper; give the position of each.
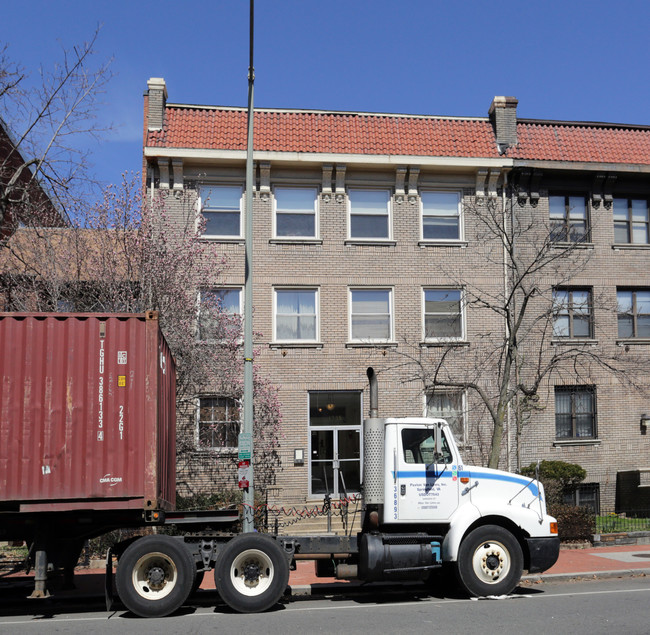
(543, 553)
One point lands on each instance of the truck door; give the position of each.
(427, 477)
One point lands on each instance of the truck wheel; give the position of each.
(251, 573)
(155, 575)
(490, 561)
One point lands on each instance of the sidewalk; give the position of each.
(573, 563)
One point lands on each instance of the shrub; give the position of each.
(574, 523)
(558, 478)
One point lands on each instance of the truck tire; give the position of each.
(155, 576)
(490, 561)
(251, 573)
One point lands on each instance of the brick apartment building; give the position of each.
(367, 252)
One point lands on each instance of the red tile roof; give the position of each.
(375, 134)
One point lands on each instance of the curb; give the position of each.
(562, 577)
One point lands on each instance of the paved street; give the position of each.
(620, 606)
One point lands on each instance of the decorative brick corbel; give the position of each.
(340, 183)
(400, 177)
(481, 176)
(326, 187)
(163, 168)
(597, 190)
(177, 168)
(535, 181)
(492, 183)
(414, 175)
(608, 190)
(265, 180)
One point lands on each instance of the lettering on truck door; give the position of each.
(427, 476)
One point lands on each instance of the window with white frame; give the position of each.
(568, 218)
(369, 214)
(296, 315)
(295, 212)
(441, 215)
(572, 313)
(450, 406)
(443, 314)
(221, 208)
(371, 315)
(633, 313)
(631, 221)
(218, 423)
(575, 412)
(219, 314)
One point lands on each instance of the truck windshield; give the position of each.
(419, 446)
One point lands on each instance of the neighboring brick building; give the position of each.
(365, 254)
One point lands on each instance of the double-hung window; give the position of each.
(371, 315)
(218, 423)
(572, 313)
(221, 209)
(296, 315)
(219, 314)
(441, 215)
(575, 412)
(295, 212)
(449, 405)
(369, 214)
(568, 219)
(443, 314)
(631, 221)
(633, 313)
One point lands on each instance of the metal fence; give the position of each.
(609, 521)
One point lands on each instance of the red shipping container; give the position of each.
(87, 412)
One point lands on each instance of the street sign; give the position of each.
(245, 446)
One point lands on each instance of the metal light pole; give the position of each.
(249, 497)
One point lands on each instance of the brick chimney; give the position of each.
(503, 115)
(156, 103)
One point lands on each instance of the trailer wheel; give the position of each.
(155, 576)
(490, 561)
(251, 573)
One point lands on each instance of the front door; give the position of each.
(335, 447)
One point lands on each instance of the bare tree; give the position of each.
(129, 256)
(519, 339)
(44, 126)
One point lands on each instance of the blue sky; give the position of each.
(563, 60)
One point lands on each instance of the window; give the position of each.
(568, 218)
(585, 495)
(631, 221)
(221, 209)
(295, 212)
(218, 423)
(575, 412)
(370, 315)
(572, 313)
(448, 405)
(440, 215)
(296, 315)
(419, 446)
(633, 313)
(219, 311)
(369, 214)
(443, 315)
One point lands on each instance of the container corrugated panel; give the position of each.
(87, 412)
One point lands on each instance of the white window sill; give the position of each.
(295, 240)
(561, 443)
(223, 239)
(640, 246)
(571, 245)
(574, 341)
(443, 243)
(278, 345)
(212, 451)
(367, 344)
(380, 242)
(633, 341)
(438, 343)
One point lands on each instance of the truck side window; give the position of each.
(419, 446)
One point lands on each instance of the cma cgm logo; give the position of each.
(111, 480)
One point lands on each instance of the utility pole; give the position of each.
(249, 496)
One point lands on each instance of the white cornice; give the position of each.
(316, 157)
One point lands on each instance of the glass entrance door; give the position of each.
(335, 442)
